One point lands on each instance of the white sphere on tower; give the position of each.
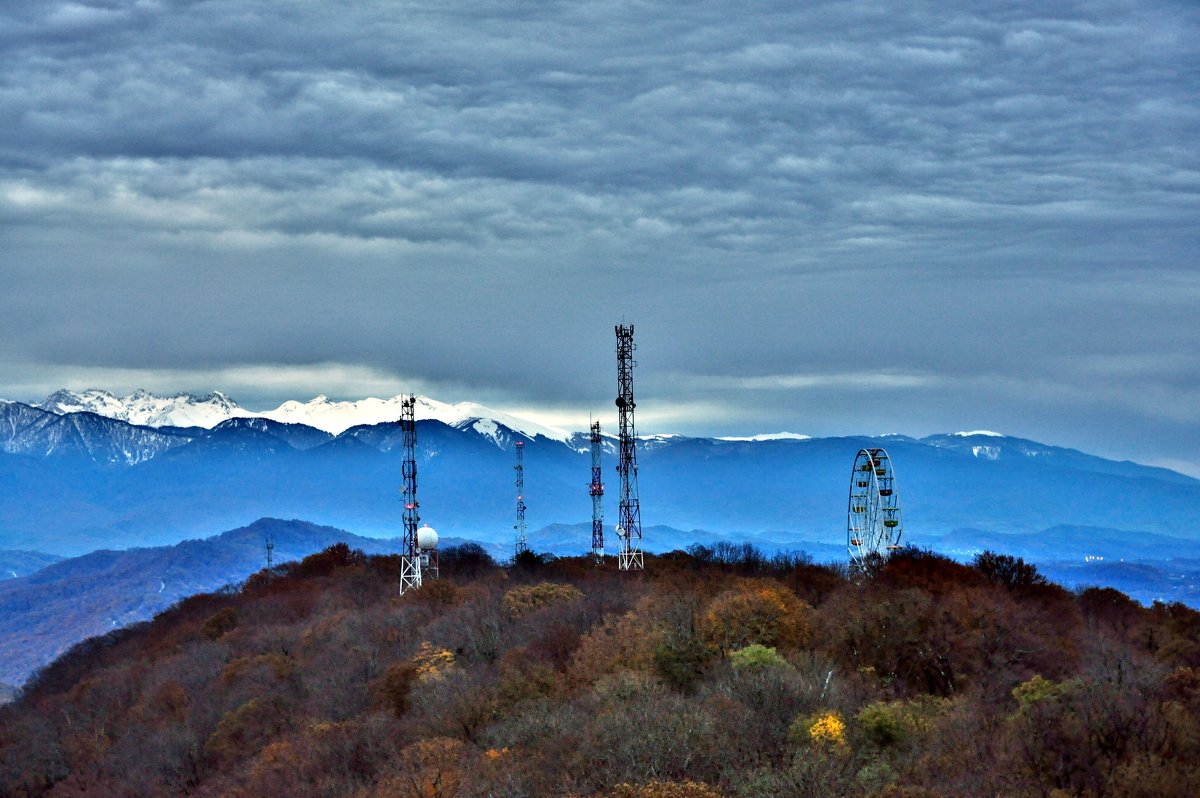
(426, 538)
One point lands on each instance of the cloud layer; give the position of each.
(840, 218)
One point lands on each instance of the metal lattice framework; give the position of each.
(410, 557)
(522, 544)
(596, 490)
(874, 524)
(629, 517)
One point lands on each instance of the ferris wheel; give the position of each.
(873, 528)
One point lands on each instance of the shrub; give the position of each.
(679, 660)
(325, 562)
(665, 789)
(220, 623)
(438, 592)
(888, 723)
(395, 686)
(527, 598)
(245, 730)
(530, 560)
(755, 657)
(466, 561)
(1039, 690)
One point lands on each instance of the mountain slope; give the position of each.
(43, 614)
(749, 677)
(84, 435)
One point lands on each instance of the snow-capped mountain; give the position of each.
(337, 417)
(186, 410)
(31, 431)
(771, 436)
(148, 410)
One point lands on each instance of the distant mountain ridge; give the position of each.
(143, 408)
(15, 564)
(76, 482)
(146, 409)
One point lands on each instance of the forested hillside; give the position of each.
(715, 673)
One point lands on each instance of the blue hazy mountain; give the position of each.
(77, 482)
(15, 564)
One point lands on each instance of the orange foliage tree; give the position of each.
(757, 611)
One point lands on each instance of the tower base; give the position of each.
(410, 573)
(630, 561)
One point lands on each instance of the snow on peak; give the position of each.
(771, 436)
(186, 410)
(453, 414)
(337, 417)
(987, 433)
(146, 409)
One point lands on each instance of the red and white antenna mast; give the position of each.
(597, 493)
(410, 557)
(522, 545)
(629, 518)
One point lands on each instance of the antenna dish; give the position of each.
(427, 539)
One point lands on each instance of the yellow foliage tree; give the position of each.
(825, 728)
(828, 729)
(432, 663)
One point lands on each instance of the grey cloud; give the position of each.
(1001, 201)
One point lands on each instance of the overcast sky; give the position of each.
(848, 218)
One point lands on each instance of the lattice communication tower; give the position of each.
(597, 492)
(629, 518)
(522, 544)
(410, 557)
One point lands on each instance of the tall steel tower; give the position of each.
(629, 518)
(522, 546)
(410, 557)
(597, 492)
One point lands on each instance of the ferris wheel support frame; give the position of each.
(874, 521)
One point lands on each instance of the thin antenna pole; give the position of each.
(597, 492)
(270, 555)
(629, 518)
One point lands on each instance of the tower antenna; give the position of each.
(597, 493)
(629, 518)
(522, 545)
(410, 557)
(270, 554)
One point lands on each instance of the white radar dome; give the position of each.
(426, 538)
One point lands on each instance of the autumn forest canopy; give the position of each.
(716, 672)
